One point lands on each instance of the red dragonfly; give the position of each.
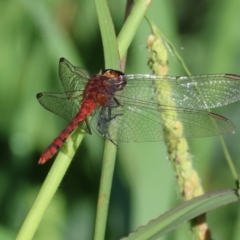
(134, 107)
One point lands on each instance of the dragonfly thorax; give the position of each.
(102, 88)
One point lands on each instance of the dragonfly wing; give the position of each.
(127, 124)
(144, 124)
(192, 92)
(72, 78)
(61, 104)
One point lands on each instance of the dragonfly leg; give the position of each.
(88, 128)
(117, 103)
(109, 117)
(105, 119)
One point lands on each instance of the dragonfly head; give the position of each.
(118, 78)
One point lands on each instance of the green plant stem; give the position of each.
(110, 48)
(112, 60)
(109, 157)
(188, 181)
(229, 161)
(130, 27)
(225, 149)
(50, 186)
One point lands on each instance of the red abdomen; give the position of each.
(86, 109)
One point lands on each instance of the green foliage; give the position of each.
(34, 35)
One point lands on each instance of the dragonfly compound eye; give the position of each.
(121, 82)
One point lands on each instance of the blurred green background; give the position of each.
(33, 36)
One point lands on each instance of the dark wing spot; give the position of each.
(39, 95)
(232, 76)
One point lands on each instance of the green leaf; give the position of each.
(182, 213)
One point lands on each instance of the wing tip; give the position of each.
(62, 59)
(232, 76)
(39, 95)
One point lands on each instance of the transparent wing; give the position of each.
(137, 113)
(72, 78)
(145, 124)
(66, 104)
(192, 92)
(61, 104)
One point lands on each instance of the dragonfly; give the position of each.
(139, 107)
